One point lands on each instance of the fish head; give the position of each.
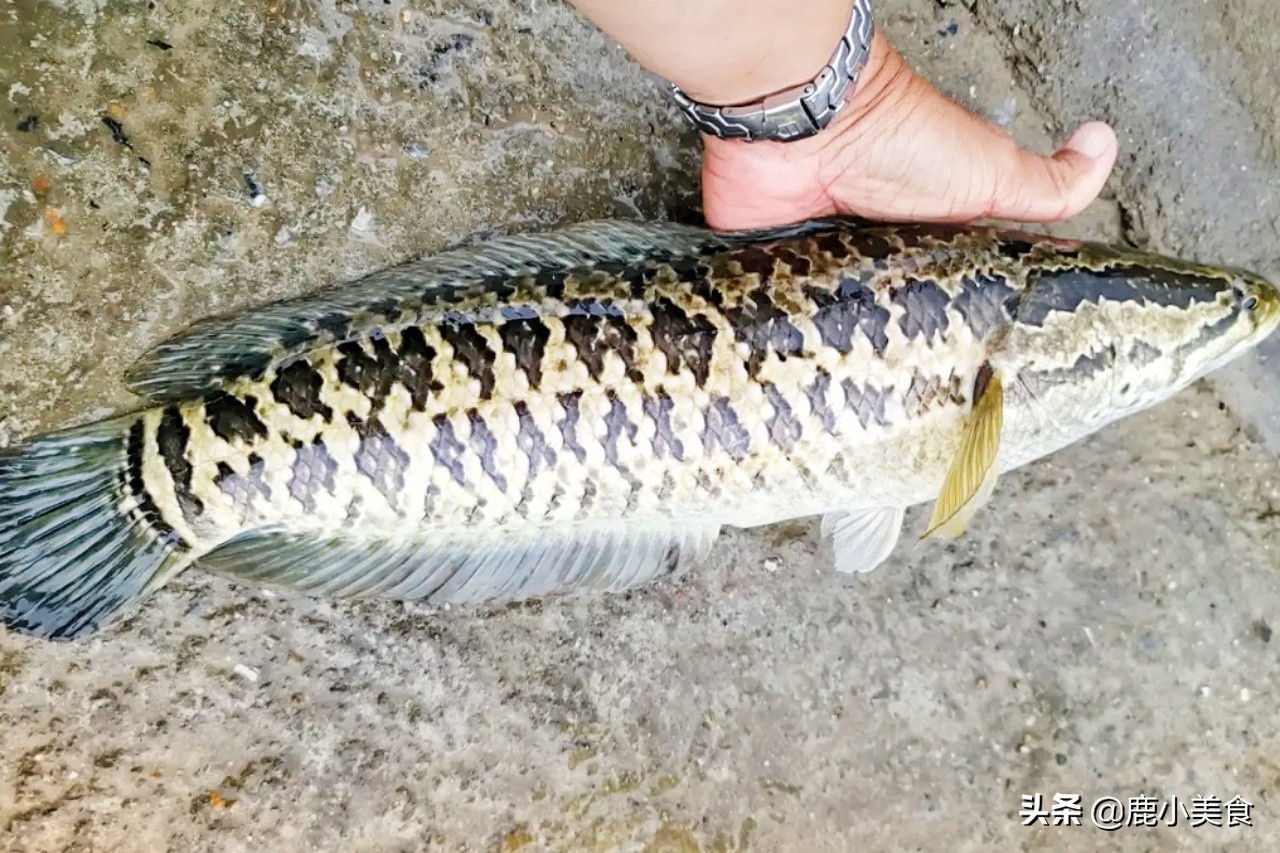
(1175, 347)
(1121, 332)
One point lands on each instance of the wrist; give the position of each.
(760, 63)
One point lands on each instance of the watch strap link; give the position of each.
(801, 111)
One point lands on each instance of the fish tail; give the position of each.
(80, 543)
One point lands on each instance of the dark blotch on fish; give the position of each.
(869, 244)
(635, 275)
(381, 459)
(666, 443)
(372, 375)
(986, 302)
(470, 347)
(866, 402)
(531, 440)
(928, 236)
(595, 337)
(697, 272)
(1015, 249)
(569, 424)
(756, 261)
(297, 386)
(134, 455)
(857, 306)
(551, 282)
(242, 489)
(313, 469)
(1066, 290)
(416, 372)
(447, 450)
(526, 340)
(784, 429)
(233, 419)
(924, 309)
(798, 265)
(817, 394)
(686, 340)
(1143, 353)
(1093, 363)
(172, 437)
(336, 326)
(617, 424)
(765, 328)
(723, 429)
(484, 445)
(833, 245)
(925, 392)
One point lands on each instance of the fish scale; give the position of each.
(586, 409)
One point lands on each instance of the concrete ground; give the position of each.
(1104, 630)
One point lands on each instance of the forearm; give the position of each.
(725, 51)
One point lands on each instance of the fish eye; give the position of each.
(1250, 302)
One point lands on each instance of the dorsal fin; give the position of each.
(217, 350)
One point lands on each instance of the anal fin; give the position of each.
(863, 539)
(607, 557)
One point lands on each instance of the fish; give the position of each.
(585, 409)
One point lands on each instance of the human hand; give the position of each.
(901, 151)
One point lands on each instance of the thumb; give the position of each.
(1032, 188)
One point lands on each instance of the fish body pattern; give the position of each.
(586, 409)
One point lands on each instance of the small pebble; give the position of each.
(257, 197)
(56, 222)
(362, 223)
(60, 158)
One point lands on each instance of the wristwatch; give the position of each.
(801, 111)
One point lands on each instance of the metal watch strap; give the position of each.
(799, 112)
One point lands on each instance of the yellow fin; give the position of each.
(973, 474)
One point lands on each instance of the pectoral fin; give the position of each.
(974, 471)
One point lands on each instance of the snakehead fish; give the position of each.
(586, 409)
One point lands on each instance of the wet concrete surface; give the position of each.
(1105, 629)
